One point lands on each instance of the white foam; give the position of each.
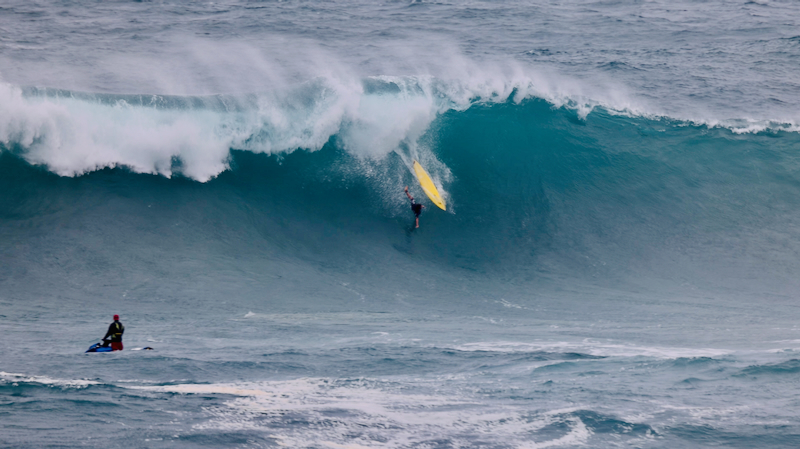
(510, 305)
(203, 389)
(44, 380)
(303, 96)
(299, 105)
(578, 434)
(372, 413)
(593, 347)
(72, 136)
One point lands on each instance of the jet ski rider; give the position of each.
(114, 335)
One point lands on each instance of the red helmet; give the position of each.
(116, 317)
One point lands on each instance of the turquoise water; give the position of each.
(616, 267)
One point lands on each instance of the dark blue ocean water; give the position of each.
(617, 266)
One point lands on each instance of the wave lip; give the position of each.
(72, 137)
(73, 133)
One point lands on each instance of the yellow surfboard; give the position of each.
(427, 185)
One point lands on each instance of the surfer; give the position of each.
(417, 208)
(114, 335)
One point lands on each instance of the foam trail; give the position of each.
(380, 414)
(594, 348)
(14, 378)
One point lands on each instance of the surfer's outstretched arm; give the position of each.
(408, 194)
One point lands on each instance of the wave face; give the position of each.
(581, 256)
(534, 190)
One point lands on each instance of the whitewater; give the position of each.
(617, 267)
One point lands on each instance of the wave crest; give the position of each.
(72, 133)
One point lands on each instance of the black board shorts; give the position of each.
(417, 208)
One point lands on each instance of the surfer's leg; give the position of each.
(417, 221)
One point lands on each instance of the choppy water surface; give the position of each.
(617, 266)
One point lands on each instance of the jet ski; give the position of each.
(98, 347)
